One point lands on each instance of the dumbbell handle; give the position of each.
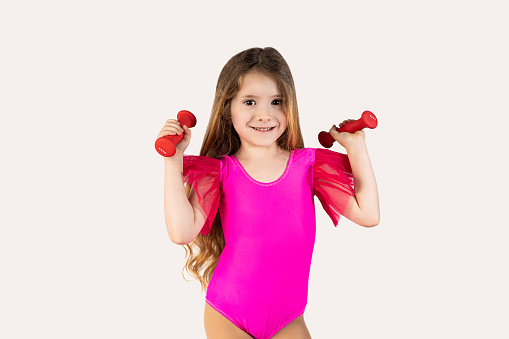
(166, 146)
(367, 119)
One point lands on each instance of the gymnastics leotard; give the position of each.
(261, 280)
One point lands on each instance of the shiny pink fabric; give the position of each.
(261, 281)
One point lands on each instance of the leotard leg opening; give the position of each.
(283, 325)
(267, 334)
(236, 323)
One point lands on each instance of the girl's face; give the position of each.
(258, 104)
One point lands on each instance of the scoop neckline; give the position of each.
(288, 164)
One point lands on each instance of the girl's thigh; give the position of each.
(297, 329)
(218, 326)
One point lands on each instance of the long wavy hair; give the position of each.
(222, 139)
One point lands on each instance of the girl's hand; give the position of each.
(346, 139)
(172, 127)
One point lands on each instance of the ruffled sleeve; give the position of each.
(203, 174)
(333, 182)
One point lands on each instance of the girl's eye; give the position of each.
(250, 102)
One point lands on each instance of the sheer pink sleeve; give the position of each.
(203, 174)
(333, 182)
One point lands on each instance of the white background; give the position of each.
(87, 86)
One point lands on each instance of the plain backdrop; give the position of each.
(86, 86)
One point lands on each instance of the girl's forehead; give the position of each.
(258, 82)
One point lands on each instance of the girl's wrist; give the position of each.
(355, 144)
(175, 160)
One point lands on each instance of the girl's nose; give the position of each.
(263, 113)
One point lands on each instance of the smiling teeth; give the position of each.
(262, 129)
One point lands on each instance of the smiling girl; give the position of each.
(247, 201)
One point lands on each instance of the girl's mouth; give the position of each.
(264, 130)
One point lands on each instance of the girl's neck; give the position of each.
(261, 153)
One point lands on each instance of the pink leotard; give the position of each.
(261, 281)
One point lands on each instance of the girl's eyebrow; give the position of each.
(254, 96)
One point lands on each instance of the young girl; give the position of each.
(248, 202)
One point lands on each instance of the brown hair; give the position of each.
(222, 139)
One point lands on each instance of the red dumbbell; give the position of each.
(166, 145)
(367, 119)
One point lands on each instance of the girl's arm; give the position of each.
(183, 215)
(363, 208)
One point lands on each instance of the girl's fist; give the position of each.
(346, 138)
(172, 127)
